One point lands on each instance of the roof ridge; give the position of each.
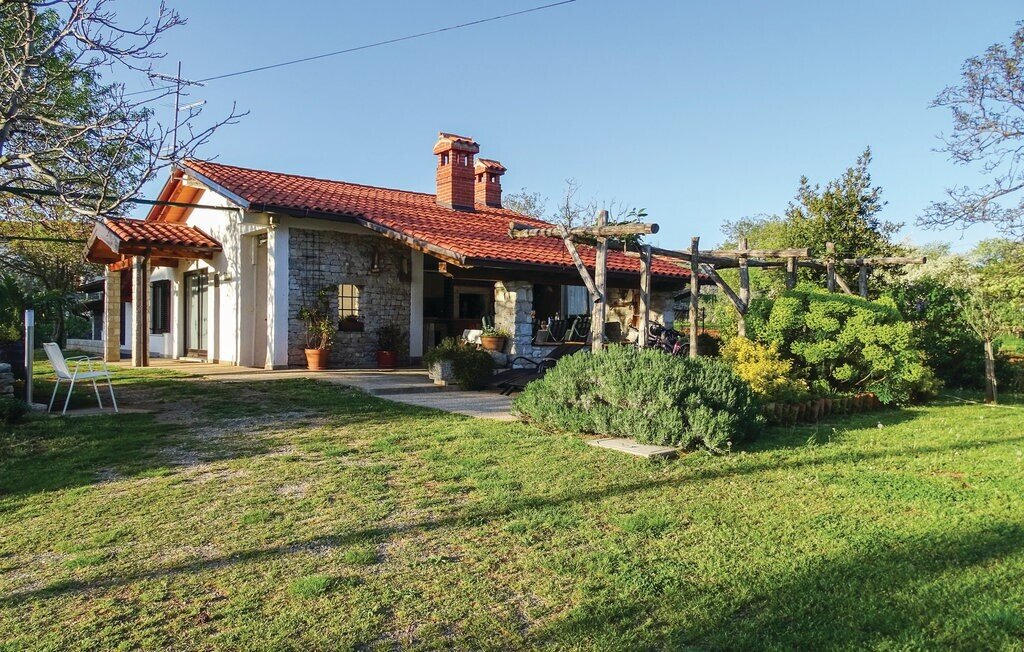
(347, 183)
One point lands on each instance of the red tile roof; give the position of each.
(160, 234)
(478, 237)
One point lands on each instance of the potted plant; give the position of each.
(391, 342)
(319, 333)
(440, 361)
(350, 324)
(494, 339)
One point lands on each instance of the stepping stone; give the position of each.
(624, 445)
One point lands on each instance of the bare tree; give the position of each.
(988, 130)
(62, 129)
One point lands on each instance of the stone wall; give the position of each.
(621, 302)
(513, 312)
(327, 259)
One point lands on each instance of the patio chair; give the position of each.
(580, 329)
(516, 379)
(60, 366)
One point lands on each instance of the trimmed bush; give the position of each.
(647, 395)
(849, 344)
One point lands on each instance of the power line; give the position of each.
(367, 46)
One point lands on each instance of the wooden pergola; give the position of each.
(597, 285)
(743, 258)
(138, 245)
(707, 263)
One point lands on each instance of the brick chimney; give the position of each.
(488, 182)
(455, 171)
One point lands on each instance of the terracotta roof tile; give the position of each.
(159, 234)
(480, 236)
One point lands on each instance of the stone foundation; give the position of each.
(327, 259)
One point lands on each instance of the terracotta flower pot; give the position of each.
(316, 359)
(492, 343)
(387, 359)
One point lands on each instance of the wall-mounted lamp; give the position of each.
(375, 263)
(405, 271)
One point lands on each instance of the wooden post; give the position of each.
(597, 316)
(741, 322)
(645, 295)
(830, 266)
(694, 293)
(863, 279)
(790, 273)
(140, 303)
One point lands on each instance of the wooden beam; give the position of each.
(737, 303)
(842, 283)
(694, 293)
(741, 323)
(645, 295)
(830, 266)
(885, 260)
(516, 231)
(595, 296)
(746, 252)
(597, 316)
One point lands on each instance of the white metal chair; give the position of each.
(60, 366)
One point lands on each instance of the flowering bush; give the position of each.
(769, 375)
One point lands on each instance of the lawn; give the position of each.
(295, 515)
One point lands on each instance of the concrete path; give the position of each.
(410, 386)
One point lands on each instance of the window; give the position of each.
(348, 301)
(160, 308)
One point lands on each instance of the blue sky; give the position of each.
(700, 112)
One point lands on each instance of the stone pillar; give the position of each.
(140, 304)
(513, 312)
(111, 315)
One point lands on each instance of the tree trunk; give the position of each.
(991, 389)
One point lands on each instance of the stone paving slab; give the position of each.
(410, 386)
(624, 445)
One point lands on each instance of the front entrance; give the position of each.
(195, 314)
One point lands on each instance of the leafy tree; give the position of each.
(63, 129)
(987, 108)
(845, 211)
(41, 247)
(524, 202)
(992, 299)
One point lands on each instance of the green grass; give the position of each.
(294, 515)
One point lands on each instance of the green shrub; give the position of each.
(12, 410)
(951, 348)
(645, 394)
(847, 344)
(770, 377)
(472, 367)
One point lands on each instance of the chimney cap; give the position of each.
(446, 142)
(489, 165)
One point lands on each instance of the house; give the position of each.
(230, 255)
